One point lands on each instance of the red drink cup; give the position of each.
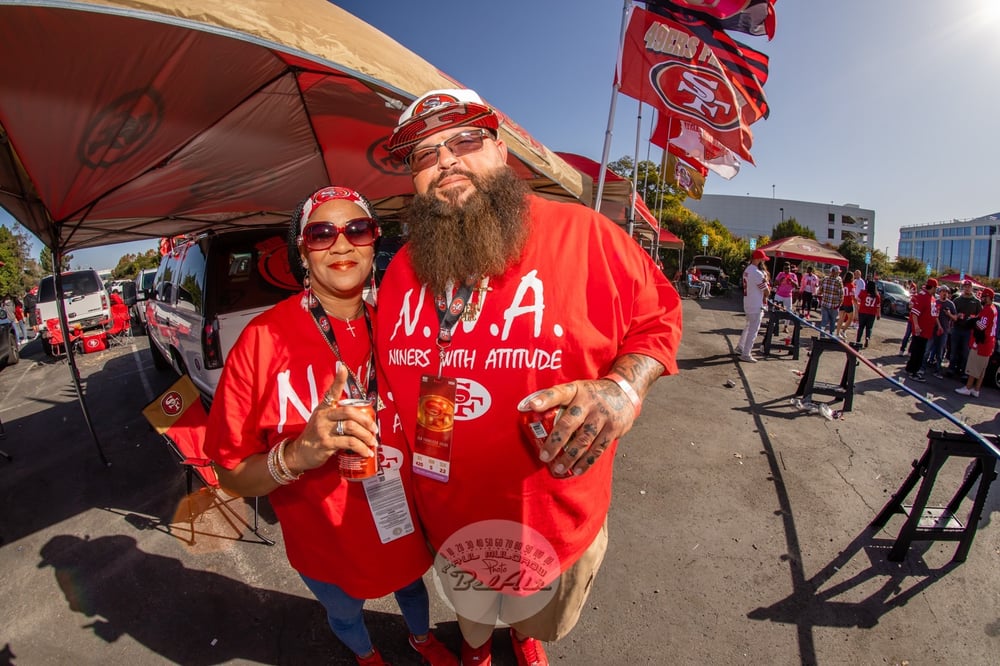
(536, 428)
(354, 466)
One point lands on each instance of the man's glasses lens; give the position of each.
(323, 235)
(459, 145)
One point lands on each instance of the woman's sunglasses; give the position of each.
(322, 235)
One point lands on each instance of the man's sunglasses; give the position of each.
(322, 235)
(461, 144)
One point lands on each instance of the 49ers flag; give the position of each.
(667, 66)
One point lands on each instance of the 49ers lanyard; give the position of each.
(448, 315)
(323, 324)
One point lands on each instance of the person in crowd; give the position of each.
(923, 322)
(810, 285)
(938, 347)
(846, 309)
(756, 289)
(695, 283)
(831, 295)
(19, 326)
(30, 301)
(982, 343)
(786, 284)
(519, 305)
(869, 309)
(276, 428)
(967, 307)
(859, 289)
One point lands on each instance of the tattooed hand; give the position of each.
(597, 412)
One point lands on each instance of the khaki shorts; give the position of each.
(976, 365)
(559, 614)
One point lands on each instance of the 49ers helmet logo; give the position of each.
(696, 92)
(172, 403)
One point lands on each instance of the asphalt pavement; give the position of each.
(739, 531)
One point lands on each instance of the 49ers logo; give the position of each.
(696, 92)
(456, 306)
(172, 403)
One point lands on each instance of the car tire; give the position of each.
(14, 353)
(886, 308)
(159, 361)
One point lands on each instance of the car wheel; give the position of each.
(886, 308)
(159, 362)
(993, 372)
(13, 351)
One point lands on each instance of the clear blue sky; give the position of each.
(880, 104)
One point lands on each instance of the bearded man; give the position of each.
(502, 307)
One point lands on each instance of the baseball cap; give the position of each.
(931, 284)
(986, 292)
(758, 254)
(439, 110)
(966, 282)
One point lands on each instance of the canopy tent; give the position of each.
(126, 120)
(615, 200)
(803, 249)
(956, 278)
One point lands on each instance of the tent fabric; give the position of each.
(804, 249)
(125, 120)
(957, 278)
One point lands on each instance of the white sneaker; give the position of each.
(747, 358)
(961, 390)
(975, 393)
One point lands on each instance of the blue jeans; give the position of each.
(343, 612)
(906, 336)
(829, 320)
(959, 349)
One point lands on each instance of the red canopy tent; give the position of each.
(956, 278)
(803, 249)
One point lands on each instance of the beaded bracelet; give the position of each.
(630, 392)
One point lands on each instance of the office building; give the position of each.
(955, 246)
(750, 217)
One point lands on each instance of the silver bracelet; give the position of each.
(272, 467)
(627, 388)
(280, 455)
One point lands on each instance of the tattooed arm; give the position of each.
(598, 411)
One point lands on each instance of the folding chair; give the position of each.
(56, 342)
(120, 332)
(179, 416)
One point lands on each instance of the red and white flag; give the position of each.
(695, 146)
(667, 66)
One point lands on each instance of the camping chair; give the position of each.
(180, 417)
(56, 341)
(120, 332)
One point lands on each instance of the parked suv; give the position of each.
(206, 291)
(710, 269)
(87, 303)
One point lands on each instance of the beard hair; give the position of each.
(485, 235)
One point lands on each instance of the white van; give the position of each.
(87, 304)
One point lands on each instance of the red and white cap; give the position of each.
(439, 110)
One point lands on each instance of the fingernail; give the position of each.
(336, 368)
(530, 399)
(543, 455)
(559, 469)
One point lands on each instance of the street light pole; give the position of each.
(782, 214)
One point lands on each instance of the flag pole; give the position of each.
(611, 112)
(630, 222)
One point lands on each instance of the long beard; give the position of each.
(481, 237)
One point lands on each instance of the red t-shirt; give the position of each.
(582, 294)
(848, 296)
(987, 322)
(869, 303)
(923, 307)
(274, 377)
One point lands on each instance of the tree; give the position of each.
(656, 193)
(789, 228)
(910, 267)
(129, 265)
(46, 261)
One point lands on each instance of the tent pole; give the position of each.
(57, 259)
(611, 112)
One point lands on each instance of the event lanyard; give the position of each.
(448, 315)
(354, 389)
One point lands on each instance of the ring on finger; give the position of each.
(340, 428)
(329, 400)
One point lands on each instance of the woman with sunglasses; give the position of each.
(277, 428)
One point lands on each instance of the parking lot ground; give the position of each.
(739, 530)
